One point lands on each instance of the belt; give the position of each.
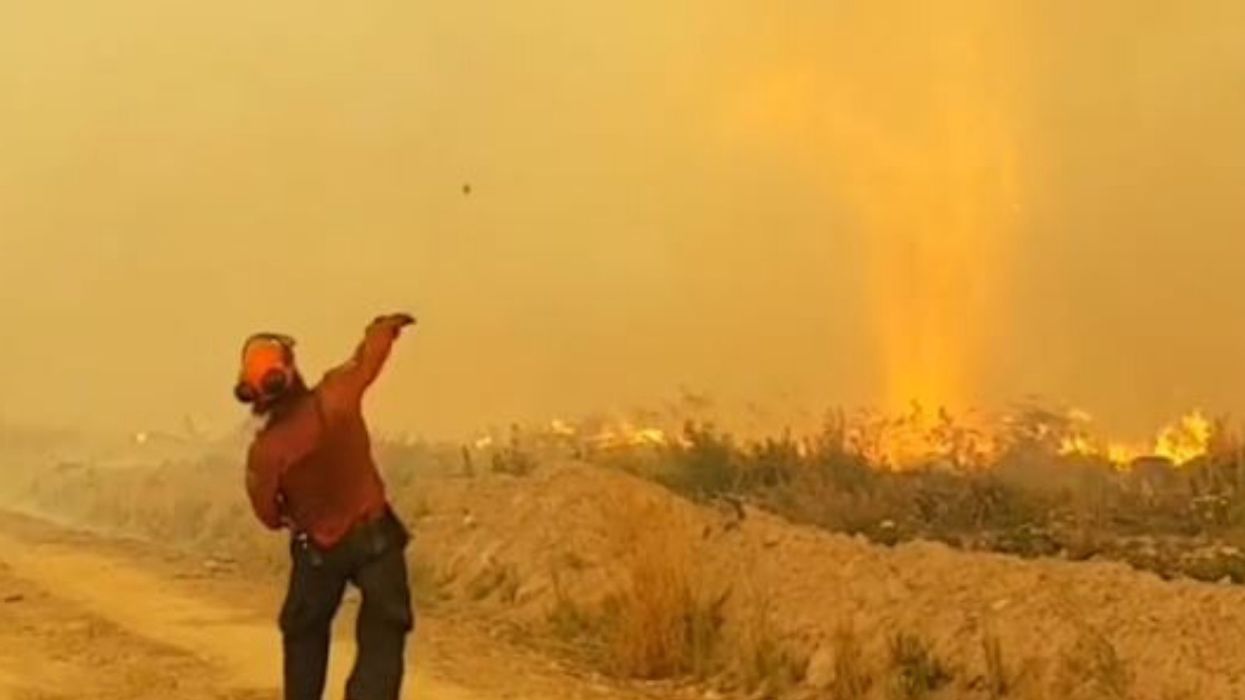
(364, 542)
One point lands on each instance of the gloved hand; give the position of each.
(395, 322)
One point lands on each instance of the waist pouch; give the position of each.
(364, 543)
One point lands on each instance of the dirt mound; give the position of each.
(994, 623)
(568, 531)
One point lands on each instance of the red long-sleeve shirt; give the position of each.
(311, 469)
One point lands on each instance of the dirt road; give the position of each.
(85, 617)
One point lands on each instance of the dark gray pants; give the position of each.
(374, 561)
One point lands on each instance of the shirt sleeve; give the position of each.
(263, 485)
(349, 381)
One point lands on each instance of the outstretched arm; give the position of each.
(357, 374)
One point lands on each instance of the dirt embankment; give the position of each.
(1043, 628)
(842, 618)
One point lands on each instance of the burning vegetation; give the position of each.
(1032, 482)
(914, 440)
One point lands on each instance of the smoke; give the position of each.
(799, 206)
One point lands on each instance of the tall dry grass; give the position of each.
(665, 618)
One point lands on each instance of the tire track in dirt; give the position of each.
(51, 649)
(95, 614)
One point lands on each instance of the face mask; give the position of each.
(267, 368)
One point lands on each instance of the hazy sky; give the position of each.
(798, 204)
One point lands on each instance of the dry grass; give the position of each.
(662, 619)
(755, 654)
(666, 620)
(1094, 669)
(495, 580)
(426, 590)
(852, 677)
(998, 680)
(571, 622)
(915, 671)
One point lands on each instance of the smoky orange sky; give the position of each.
(799, 204)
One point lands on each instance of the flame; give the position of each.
(1181, 442)
(1082, 444)
(557, 426)
(923, 439)
(648, 436)
(604, 434)
(1077, 445)
(973, 441)
(1121, 454)
(627, 435)
(1185, 440)
(918, 438)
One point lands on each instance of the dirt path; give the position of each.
(83, 617)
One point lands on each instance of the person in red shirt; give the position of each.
(310, 470)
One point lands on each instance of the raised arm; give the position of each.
(356, 375)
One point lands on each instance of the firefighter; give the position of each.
(310, 470)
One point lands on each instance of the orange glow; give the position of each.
(939, 226)
(932, 186)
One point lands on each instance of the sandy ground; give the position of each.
(84, 617)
